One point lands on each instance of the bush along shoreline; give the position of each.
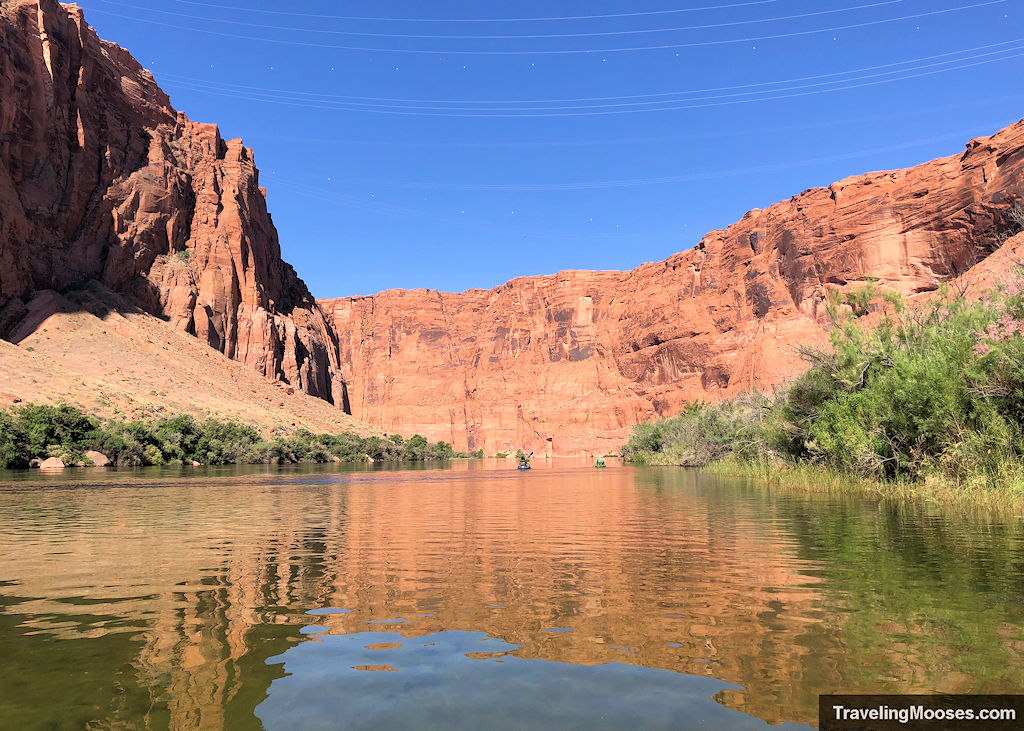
(32, 433)
(929, 395)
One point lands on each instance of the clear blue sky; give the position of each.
(402, 149)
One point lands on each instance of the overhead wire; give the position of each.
(657, 101)
(667, 105)
(713, 134)
(661, 101)
(572, 51)
(330, 31)
(966, 55)
(322, 16)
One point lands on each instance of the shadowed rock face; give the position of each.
(568, 363)
(102, 181)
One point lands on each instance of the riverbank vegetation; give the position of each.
(906, 395)
(37, 432)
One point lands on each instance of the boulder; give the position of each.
(98, 459)
(53, 464)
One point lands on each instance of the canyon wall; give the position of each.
(103, 182)
(104, 185)
(567, 363)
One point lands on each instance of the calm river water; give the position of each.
(478, 596)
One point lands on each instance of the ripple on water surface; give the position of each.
(654, 595)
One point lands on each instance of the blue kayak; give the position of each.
(523, 467)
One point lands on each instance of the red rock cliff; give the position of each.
(568, 363)
(101, 180)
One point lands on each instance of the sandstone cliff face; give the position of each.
(568, 363)
(102, 181)
(103, 184)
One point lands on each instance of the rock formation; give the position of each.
(104, 186)
(102, 181)
(95, 351)
(567, 363)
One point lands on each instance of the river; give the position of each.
(478, 596)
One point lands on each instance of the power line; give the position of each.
(320, 16)
(917, 111)
(770, 95)
(328, 31)
(341, 98)
(667, 46)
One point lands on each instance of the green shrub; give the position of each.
(35, 431)
(647, 438)
(702, 433)
(11, 443)
(42, 426)
(933, 389)
(151, 454)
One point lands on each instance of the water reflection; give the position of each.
(159, 605)
(456, 679)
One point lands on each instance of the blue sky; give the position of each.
(454, 144)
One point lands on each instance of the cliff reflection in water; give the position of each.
(159, 605)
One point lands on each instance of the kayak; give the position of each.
(523, 467)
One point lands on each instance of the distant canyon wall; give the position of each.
(103, 183)
(568, 363)
(101, 180)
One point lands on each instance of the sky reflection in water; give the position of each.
(660, 595)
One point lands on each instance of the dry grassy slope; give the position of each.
(112, 360)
